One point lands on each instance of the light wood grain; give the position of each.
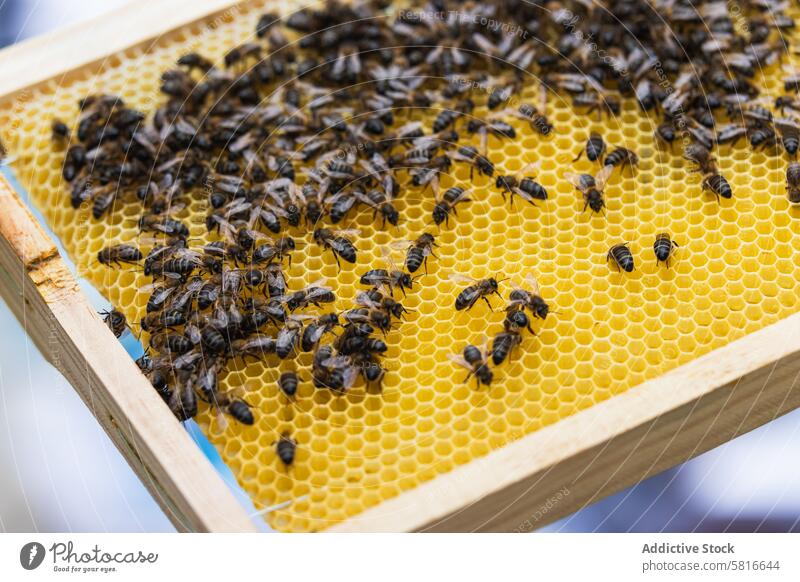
(42, 293)
(612, 445)
(87, 45)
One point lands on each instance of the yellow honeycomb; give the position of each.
(736, 271)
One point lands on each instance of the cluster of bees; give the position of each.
(285, 139)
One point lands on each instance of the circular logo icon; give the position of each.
(31, 555)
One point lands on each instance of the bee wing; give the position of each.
(531, 279)
(458, 359)
(602, 176)
(575, 179)
(364, 299)
(276, 210)
(459, 278)
(349, 376)
(532, 166)
(388, 259)
(336, 362)
(784, 123)
(189, 254)
(347, 232)
(401, 245)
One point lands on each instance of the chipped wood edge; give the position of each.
(46, 299)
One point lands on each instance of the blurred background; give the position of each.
(59, 472)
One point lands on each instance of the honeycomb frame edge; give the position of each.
(45, 298)
(561, 468)
(689, 410)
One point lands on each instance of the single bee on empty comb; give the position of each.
(622, 257)
(591, 187)
(477, 362)
(663, 247)
(286, 447)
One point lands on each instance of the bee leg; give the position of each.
(488, 303)
(579, 156)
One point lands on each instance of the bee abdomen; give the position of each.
(622, 256)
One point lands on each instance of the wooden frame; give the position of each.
(522, 486)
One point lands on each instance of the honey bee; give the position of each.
(380, 203)
(477, 362)
(116, 321)
(536, 117)
(238, 54)
(377, 299)
(164, 318)
(478, 289)
(494, 126)
(389, 279)
(341, 204)
(289, 336)
(338, 243)
(163, 224)
(503, 344)
(595, 148)
(332, 371)
(286, 447)
(355, 344)
(428, 175)
(663, 247)
(470, 155)
(447, 204)
(287, 382)
(314, 331)
(718, 185)
(195, 61)
(622, 257)
(793, 182)
(591, 187)
(119, 254)
(239, 409)
(371, 316)
(516, 320)
(526, 187)
(418, 251)
(256, 346)
(315, 294)
(621, 157)
(277, 250)
(701, 156)
(59, 130)
(171, 342)
(520, 298)
(789, 134)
